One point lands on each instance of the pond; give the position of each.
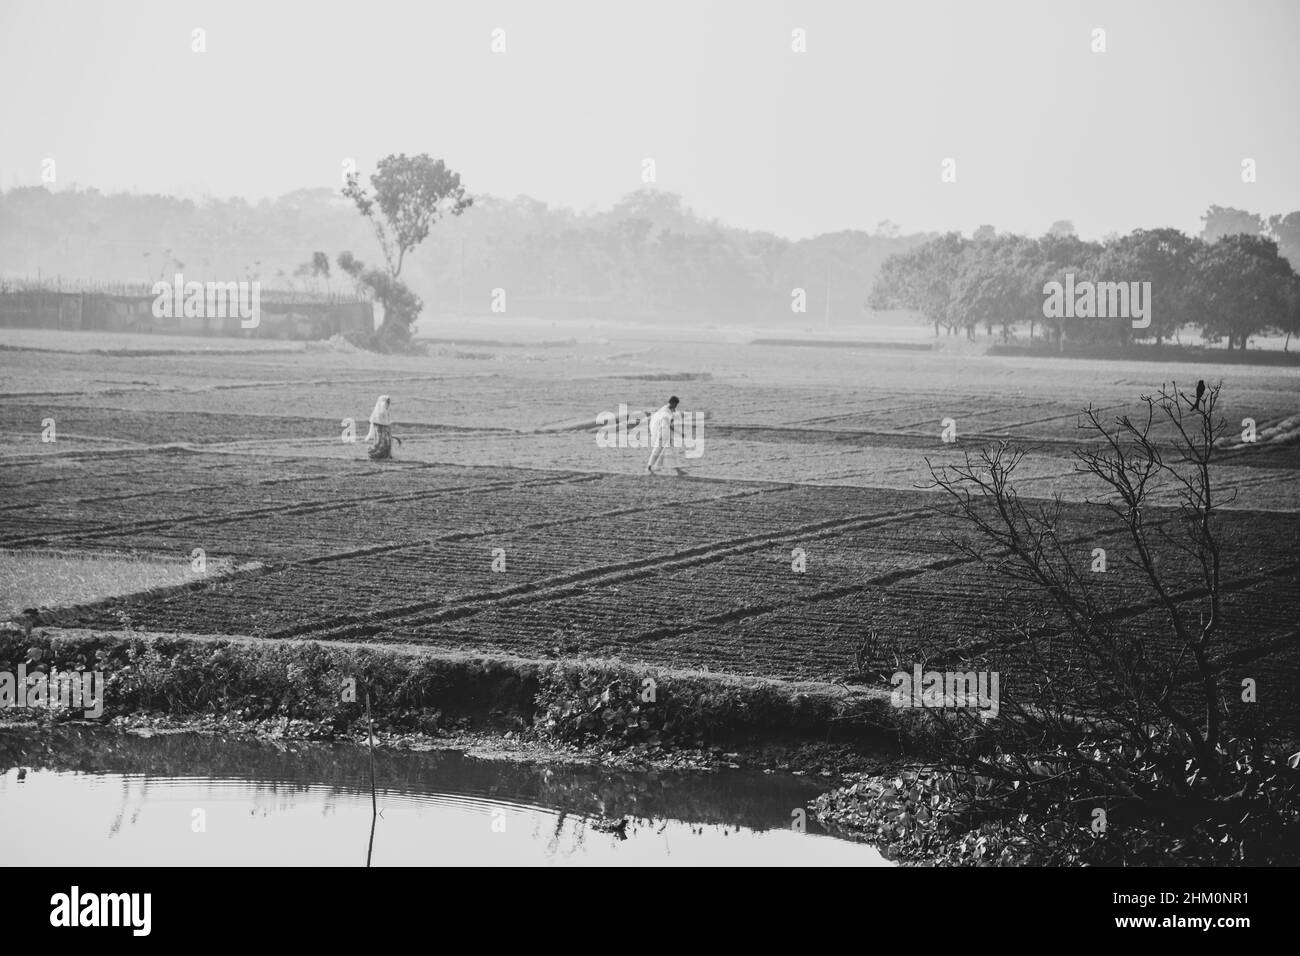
(86, 796)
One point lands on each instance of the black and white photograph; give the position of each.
(733, 433)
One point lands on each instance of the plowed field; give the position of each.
(501, 526)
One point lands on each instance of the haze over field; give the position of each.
(845, 135)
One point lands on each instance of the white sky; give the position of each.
(849, 133)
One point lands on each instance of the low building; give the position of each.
(283, 314)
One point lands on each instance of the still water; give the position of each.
(90, 797)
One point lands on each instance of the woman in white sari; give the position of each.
(381, 434)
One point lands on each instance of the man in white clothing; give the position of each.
(665, 426)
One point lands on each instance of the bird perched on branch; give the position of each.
(1200, 391)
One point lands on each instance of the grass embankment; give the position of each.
(318, 691)
(587, 709)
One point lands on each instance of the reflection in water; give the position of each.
(121, 799)
(374, 799)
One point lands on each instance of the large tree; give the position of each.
(410, 194)
(1058, 256)
(1163, 257)
(1285, 230)
(996, 284)
(923, 279)
(1245, 288)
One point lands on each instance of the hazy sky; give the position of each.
(851, 132)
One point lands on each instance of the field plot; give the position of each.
(56, 580)
(801, 544)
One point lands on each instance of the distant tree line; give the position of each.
(650, 256)
(1234, 281)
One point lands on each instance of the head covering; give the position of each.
(380, 415)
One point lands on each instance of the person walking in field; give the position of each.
(381, 434)
(664, 427)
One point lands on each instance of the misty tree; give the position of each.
(401, 305)
(1221, 221)
(996, 285)
(317, 267)
(1165, 258)
(1062, 227)
(1291, 322)
(1285, 231)
(407, 196)
(410, 195)
(1058, 255)
(1234, 288)
(1245, 288)
(922, 279)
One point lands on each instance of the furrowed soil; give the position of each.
(502, 527)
